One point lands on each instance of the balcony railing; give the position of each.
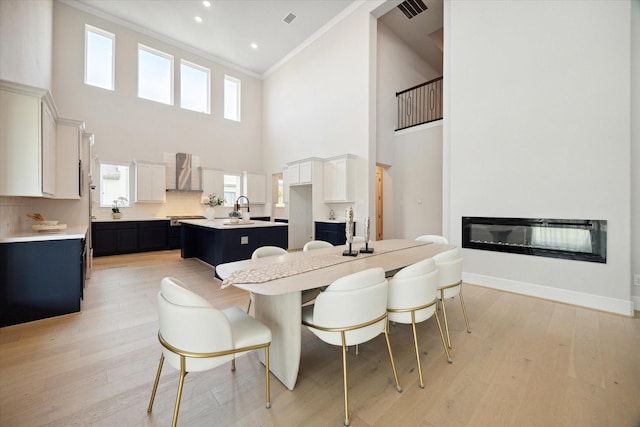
(420, 104)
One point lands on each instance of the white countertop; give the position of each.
(123, 219)
(71, 232)
(223, 224)
(332, 221)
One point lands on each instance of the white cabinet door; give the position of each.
(338, 180)
(294, 174)
(22, 154)
(213, 182)
(48, 151)
(68, 144)
(150, 182)
(256, 188)
(306, 173)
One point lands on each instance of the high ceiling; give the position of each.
(229, 27)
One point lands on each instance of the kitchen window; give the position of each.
(231, 98)
(155, 75)
(231, 189)
(114, 184)
(98, 57)
(195, 82)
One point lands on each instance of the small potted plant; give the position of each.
(211, 201)
(115, 208)
(234, 217)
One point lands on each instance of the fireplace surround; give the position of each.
(575, 239)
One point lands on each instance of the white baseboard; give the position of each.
(636, 302)
(581, 299)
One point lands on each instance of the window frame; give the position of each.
(100, 32)
(228, 203)
(236, 116)
(102, 200)
(207, 90)
(159, 53)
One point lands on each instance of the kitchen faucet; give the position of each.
(236, 206)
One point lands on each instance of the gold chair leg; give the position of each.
(266, 359)
(393, 363)
(464, 311)
(233, 363)
(249, 305)
(155, 385)
(183, 373)
(344, 379)
(415, 342)
(444, 313)
(444, 344)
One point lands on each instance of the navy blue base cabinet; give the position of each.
(123, 237)
(332, 232)
(215, 246)
(40, 279)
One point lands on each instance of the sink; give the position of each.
(238, 223)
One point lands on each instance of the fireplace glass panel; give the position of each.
(584, 240)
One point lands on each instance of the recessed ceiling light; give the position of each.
(254, 45)
(198, 19)
(206, 3)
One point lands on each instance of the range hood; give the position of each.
(187, 177)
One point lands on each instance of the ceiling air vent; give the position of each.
(289, 18)
(412, 8)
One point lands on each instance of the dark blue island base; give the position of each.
(220, 244)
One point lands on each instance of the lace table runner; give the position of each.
(304, 264)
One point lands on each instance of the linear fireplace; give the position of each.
(576, 239)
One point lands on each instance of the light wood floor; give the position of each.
(528, 362)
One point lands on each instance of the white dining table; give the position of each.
(278, 283)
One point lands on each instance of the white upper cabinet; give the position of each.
(27, 142)
(256, 188)
(68, 155)
(301, 173)
(150, 182)
(339, 176)
(212, 182)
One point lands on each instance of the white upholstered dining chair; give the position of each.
(351, 311)
(316, 244)
(197, 337)
(413, 298)
(449, 265)
(433, 238)
(261, 252)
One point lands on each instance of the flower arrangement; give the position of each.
(118, 203)
(235, 214)
(212, 200)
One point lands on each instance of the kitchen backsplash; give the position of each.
(13, 211)
(177, 203)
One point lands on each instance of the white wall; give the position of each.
(635, 147)
(399, 68)
(127, 127)
(538, 110)
(318, 104)
(417, 175)
(25, 42)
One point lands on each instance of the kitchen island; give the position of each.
(216, 242)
